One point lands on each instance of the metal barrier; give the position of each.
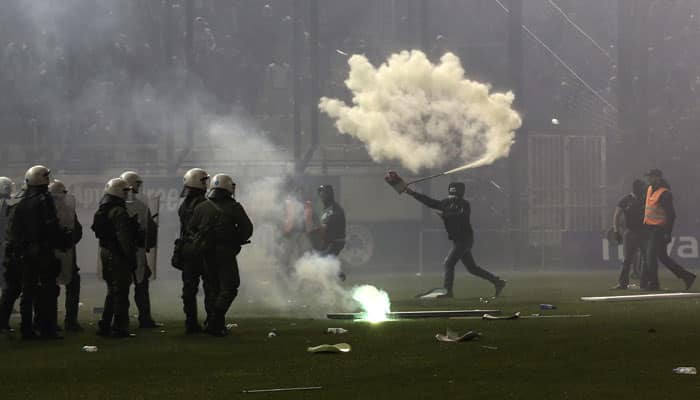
(567, 184)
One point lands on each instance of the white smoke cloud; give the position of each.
(422, 114)
(311, 288)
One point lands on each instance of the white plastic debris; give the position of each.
(686, 370)
(80, 304)
(330, 348)
(336, 331)
(555, 121)
(90, 349)
(454, 337)
(271, 335)
(231, 326)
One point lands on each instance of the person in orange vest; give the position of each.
(659, 217)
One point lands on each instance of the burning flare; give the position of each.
(374, 302)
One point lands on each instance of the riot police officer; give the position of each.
(455, 212)
(70, 273)
(145, 243)
(116, 233)
(33, 235)
(220, 227)
(194, 191)
(10, 283)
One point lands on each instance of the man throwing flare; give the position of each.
(455, 212)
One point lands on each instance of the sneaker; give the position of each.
(689, 281)
(499, 285)
(448, 295)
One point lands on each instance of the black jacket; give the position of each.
(455, 213)
(222, 220)
(34, 219)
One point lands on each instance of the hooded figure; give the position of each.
(455, 212)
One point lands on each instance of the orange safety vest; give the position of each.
(654, 214)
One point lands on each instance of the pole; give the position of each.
(517, 162)
(296, 73)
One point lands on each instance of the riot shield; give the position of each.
(152, 235)
(140, 207)
(65, 211)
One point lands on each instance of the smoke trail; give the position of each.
(424, 115)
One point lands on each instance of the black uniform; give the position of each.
(33, 234)
(192, 265)
(455, 212)
(11, 274)
(221, 227)
(333, 229)
(632, 205)
(73, 287)
(658, 238)
(116, 233)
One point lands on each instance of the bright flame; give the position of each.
(374, 302)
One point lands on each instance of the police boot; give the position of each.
(216, 325)
(104, 329)
(72, 326)
(193, 328)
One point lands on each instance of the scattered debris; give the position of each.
(489, 347)
(330, 348)
(336, 331)
(418, 314)
(503, 318)
(536, 316)
(547, 307)
(640, 297)
(555, 121)
(163, 331)
(342, 53)
(686, 370)
(80, 304)
(283, 389)
(231, 326)
(271, 335)
(90, 349)
(433, 293)
(454, 337)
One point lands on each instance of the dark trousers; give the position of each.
(192, 274)
(8, 298)
(221, 284)
(633, 244)
(39, 291)
(117, 275)
(142, 298)
(657, 250)
(461, 251)
(73, 298)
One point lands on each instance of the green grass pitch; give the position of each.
(624, 351)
